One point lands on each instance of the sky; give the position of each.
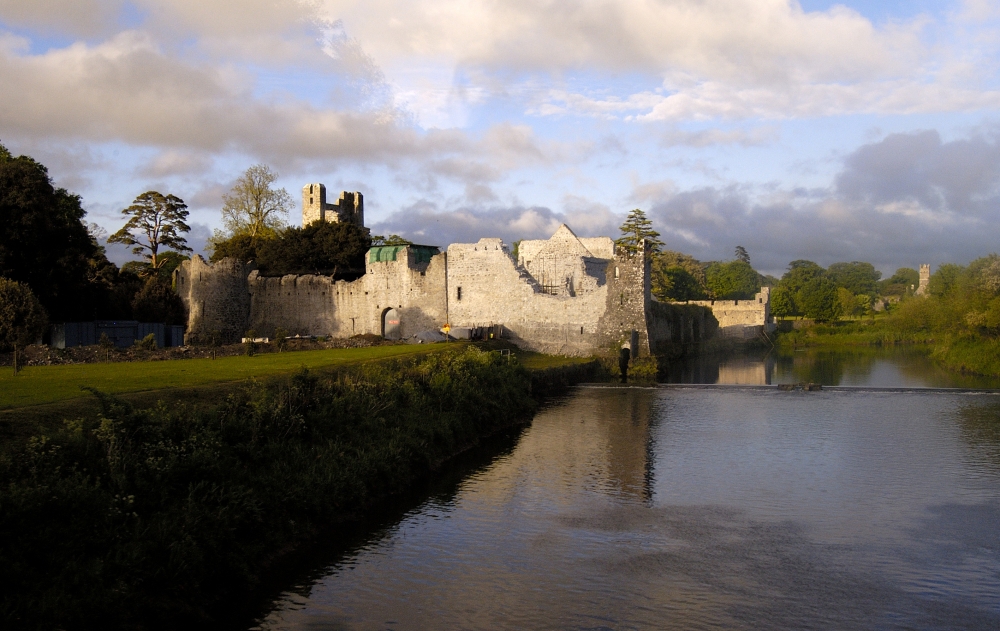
(828, 131)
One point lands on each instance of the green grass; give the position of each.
(37, 385)
(538, 361)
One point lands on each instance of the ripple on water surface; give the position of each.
(626, 508)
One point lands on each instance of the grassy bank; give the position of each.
(37, 385)
(159, 517)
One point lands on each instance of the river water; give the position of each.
(688, 507)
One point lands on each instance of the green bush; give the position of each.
(147, 343)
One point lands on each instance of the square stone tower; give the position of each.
(350, 207)
(313, 203)
(925, 279)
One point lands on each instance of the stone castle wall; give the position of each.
(741, 318)
(604, 302)
(217, 298)
(313, 305)
(486, 287)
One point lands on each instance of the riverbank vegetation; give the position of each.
(958, 320)
(162, 517)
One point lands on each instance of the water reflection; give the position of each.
(697, 509)
(897, 367)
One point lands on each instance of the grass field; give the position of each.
(38, 385)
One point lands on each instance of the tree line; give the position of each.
(845, 289)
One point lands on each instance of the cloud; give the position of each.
(128, 89)
(960, 176)
(906, 199)
(427, 222)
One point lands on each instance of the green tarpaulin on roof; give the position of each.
(385, 253)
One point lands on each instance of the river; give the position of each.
(873, 505)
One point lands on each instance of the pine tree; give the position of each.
(742, 254)
(638, 227)
(155, 220)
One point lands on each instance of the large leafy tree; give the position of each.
(945, 279)
(45, 244)
(857, 277)
(253, 206)
(155, 221)
(901, 283)
(734, 280)
(638, 227)
(322, 247)
(817, 299)
(676, 284)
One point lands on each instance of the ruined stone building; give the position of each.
(563, 295)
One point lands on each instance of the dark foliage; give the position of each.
(734, 280)
(856, 276)
(242, 247)
(45, 244)
(158, 518)
(158, 302)
(322, 247)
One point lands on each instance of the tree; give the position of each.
(903, 282)
(742, 254)
(848, 303)
(154, 221)
(395, 239)
(322, 247)
(817, 299)
(157, 302)
(668, 258)
(856, 276)
(945, 279)
(45, 244)
(636, 229)
(676, 284)
(242, 247)
(782, 304)
(735, 280)
(22, 317)
(252, 207)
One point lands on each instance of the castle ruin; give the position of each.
(563, 295)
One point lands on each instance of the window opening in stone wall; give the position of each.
(581, 330)
(458, 295)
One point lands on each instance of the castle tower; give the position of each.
(925, 279)
(351, 208)
(313, 203)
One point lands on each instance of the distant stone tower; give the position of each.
(313, 203)
(925, 279)
(350, 207)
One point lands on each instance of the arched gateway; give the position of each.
(391, 329)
